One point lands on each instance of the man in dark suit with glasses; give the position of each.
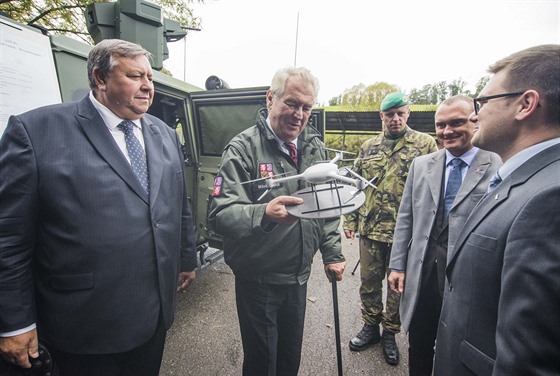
(501, 304)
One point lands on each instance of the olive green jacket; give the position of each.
(376, 219)
(278, 254)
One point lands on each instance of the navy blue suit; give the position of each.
(84, 252)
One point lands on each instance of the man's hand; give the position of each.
(396, 282)
(18, 349)
(185, 280)
(276, 210)
(349, 234)
(337, 269)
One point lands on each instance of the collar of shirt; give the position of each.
(518, 159)
(279, 141)
(109, 118)
(111, 121)
(467, 157)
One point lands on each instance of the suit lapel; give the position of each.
(481, 210)
(500, 194)
(99, 136)
(435, 169)
(154, 154)
(474, 174)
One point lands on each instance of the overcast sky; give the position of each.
(347, 42)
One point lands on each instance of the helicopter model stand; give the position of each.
(328, 200)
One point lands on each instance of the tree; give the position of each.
(457, 87)
(67, 16)
(420, 96)
(480, 85)
(437, 92)
(366, 98)
(335, 101)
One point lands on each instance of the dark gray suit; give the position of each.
(83, 251)
(501, 309)
(417, 214)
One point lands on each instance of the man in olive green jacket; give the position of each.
(269, 250)
(387, 158)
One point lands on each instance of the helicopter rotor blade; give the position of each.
(367, 182)
(264, 194)
(340, 151)
(372, 181)
(355, 174)
(267, 178)
(352, 197)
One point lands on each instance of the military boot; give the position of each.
(369, 335)
(390, 349)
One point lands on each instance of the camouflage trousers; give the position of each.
(374, 262)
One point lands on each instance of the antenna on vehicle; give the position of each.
(297, 33)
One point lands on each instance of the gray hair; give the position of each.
(279, 80)
(103, 57)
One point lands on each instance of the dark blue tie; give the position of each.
(453, 184)
(135, 153)
(293, 151)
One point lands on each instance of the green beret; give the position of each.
(393, 100)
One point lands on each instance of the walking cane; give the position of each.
(336, 322)
(356, 267)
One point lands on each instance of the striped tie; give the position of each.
(293, 151)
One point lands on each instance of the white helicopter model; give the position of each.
(326, 198)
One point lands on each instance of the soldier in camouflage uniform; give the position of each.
(386, 157)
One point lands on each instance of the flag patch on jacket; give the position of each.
(218, 181)
(265, 170)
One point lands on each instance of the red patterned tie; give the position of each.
(293, 151)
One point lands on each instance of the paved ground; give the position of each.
(205, 340)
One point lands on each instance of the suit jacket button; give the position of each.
(450, 286)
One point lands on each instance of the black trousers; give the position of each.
(144, 360)
(423, 328)
(271, 319)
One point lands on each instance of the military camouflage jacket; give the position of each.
(377, 217)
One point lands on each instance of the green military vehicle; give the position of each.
(205, 120)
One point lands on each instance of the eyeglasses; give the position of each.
(478, 102)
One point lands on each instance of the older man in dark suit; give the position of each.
(96, 234)
(501, 307)
(441, 190)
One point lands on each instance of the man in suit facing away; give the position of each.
(502, 298)
(96, 235)
(432, 211)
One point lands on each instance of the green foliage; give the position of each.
(437, 92)
(67, 16)
(413, 107)
(366, 98)
(334, 101)
(480, 85)
(347, 142)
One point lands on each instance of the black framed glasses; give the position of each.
(478, 102)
